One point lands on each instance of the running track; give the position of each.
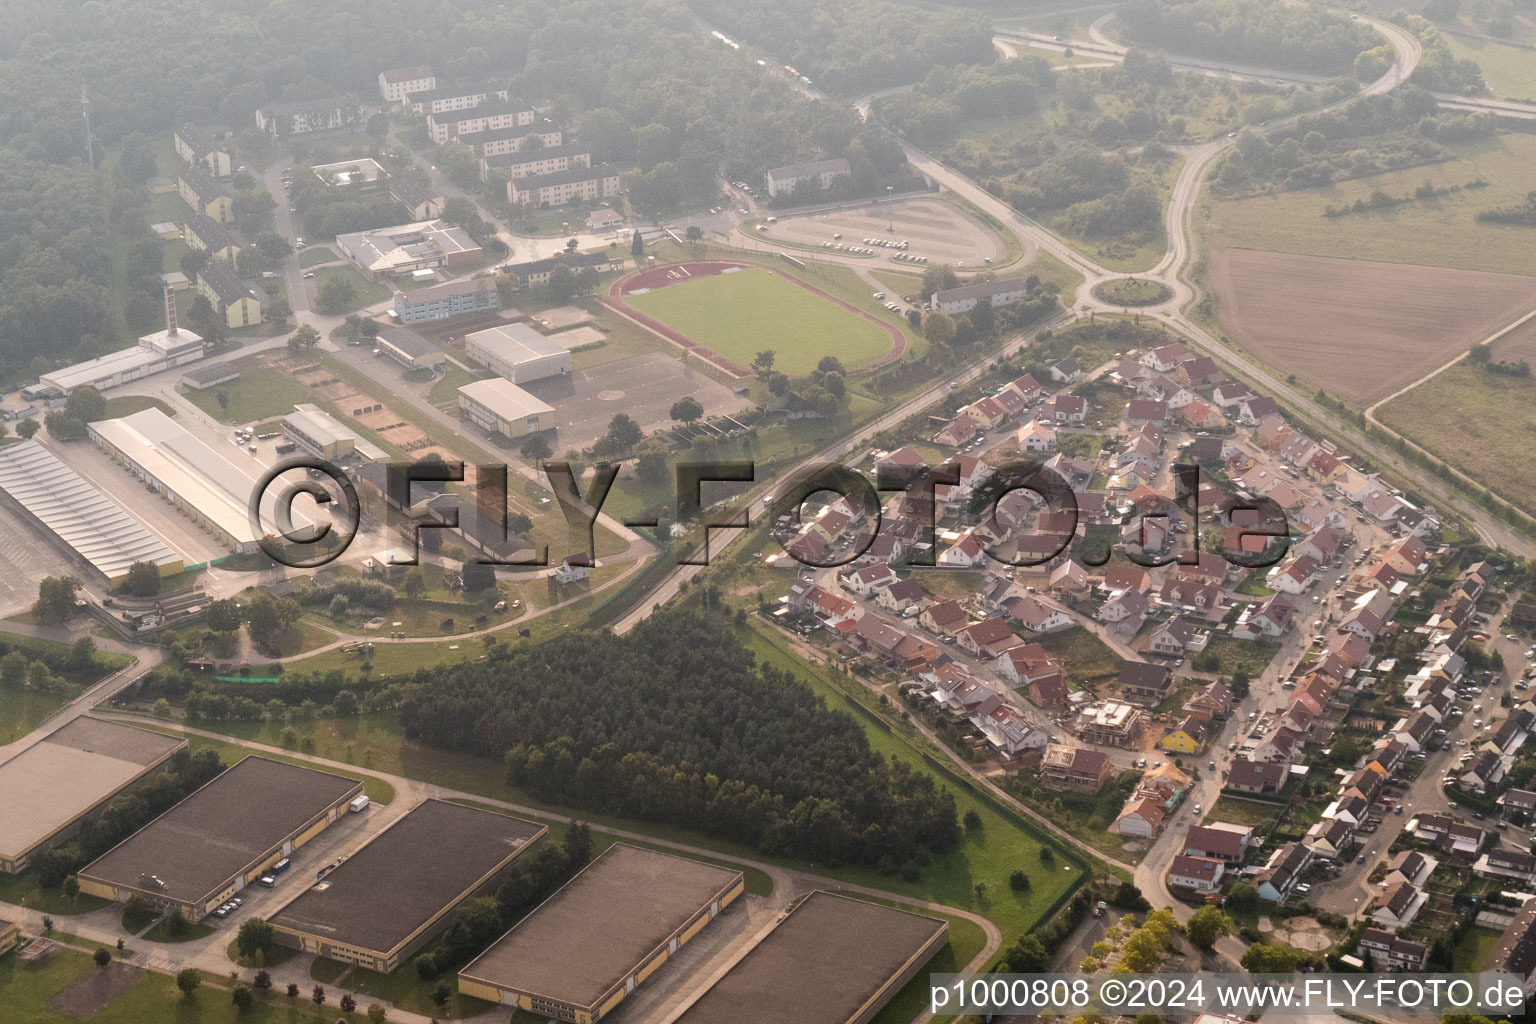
(651, 278)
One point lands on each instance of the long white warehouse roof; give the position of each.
(197, 474)
(77, 512)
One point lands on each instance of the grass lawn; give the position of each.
(407, 990)
(1473, 949)
(271, 958)
(163, 932)
(1252, 656)
(1088, 659)
(258, 393)
(1509, 71)
(739, 314)
(1478, 422)
(127, 405)
(364, 291)
(1441, 232)
(22, 710)
(446, 391)
(376, 789)
(1238, 811)
(25, 990)
(315, 255)
(986, 855)
(1133, 291)
(22, 890)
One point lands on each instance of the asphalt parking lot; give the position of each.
(643, 386)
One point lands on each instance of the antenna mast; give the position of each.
(85, 111)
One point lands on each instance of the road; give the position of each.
(719, 539)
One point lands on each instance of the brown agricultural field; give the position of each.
(1358, 329)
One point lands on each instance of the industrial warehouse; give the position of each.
(518, 352)
(320, 433)
(222, 837)
(154, 352)
(580, 952)
(200, 482)
(79, 515)
(50, 787)
(429, 862)
(833, 960)
(501, 407)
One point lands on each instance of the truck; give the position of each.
(359, 804)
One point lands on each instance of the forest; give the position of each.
(643, 83)
(1274, 35)
(675, 723)
(854, 46)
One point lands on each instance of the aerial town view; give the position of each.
(783, 511)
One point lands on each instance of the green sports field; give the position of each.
(739, 314)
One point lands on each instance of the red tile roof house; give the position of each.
(1197, 874)
(1141, 411)
(1228, 844)
(987, 638)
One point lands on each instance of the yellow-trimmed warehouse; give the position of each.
(428, 862)
(223, 837)
(582, 951)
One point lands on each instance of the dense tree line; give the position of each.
(677, 723)
(1439, 69)
(1371, 135)
(1523, 214)
(1250, 32)
(850, 46)
(948, 97)
(534, 877)
(128, 813)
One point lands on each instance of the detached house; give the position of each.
(1197, 874)
(946, 618)
(1140, 680)
(987, 638)
(1075, 769)
(899, 596)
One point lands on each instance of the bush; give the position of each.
(102, 958)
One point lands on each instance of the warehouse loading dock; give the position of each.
(583, 950)
(428, 862)
(833, 960)
(222, 837)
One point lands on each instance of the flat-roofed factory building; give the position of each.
(202, 483)
(78, 514)
(833, 960)
(68, 775)
(518, 352)
(223, 837)
(583, 950)
(428, 862)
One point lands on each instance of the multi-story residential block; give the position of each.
(510, 140)
(283, 119)
(442, 301)
(236, 301)
(395, 84)
(207, 149)
(205, 195)
(795, 176)
(964, 298)
(446, 99)
(531, 162)
(450, 124)
(574, 184)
